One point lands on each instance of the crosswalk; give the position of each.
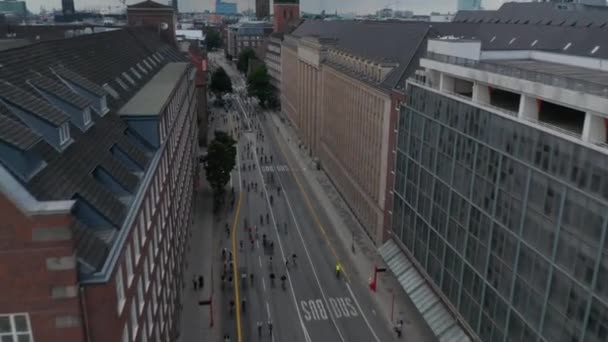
(274, 168)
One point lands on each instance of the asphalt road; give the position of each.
(314, 304)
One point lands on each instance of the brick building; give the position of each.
(150, 13)
(262, 9)
(97, 152)
(285, 12)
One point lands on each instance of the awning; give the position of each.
(438, 317)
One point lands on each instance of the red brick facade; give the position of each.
(156, 17)
(284, 14)
(38, 273)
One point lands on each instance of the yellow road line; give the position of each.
(237, 300)
(313, 212)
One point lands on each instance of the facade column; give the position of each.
(594, 128)
(446, 83)
(528, 107)
(481, 93)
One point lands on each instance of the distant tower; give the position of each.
(262, 9)
(285, 11)
(469, 5)
(174, 5)
(67, 7)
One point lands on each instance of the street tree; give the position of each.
(244, 58)
(259, 86)
(221, 159)
(213, 40)
(220, 82)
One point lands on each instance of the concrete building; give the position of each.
(246, 35)
(336, 88)
(501, 187)
(285, 13)
(225, 8)
(272, 59)
(97, 162)
(469, 5)
(262, 9)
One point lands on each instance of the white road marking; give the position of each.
(362, 313)
(268, 310)
(260, 260)
(341, 307)
(263, 284)
(274, 223)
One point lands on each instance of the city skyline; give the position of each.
(315, 6)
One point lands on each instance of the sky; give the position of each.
(315, 6)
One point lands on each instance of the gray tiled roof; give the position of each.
(90, 248)
(79, 80)
(394, 41)
(15, 133)
(540, 13)
(59, 90)
(32, 104)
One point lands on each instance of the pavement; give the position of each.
(305, 217)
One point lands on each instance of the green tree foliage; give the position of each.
(221, 159)
(243, 62)
(259, 86)
(213, 40)
(220, 82)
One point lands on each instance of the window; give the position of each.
(151, 259)
(120, 290)
(144, 335)
(15, 327)
(110, 91)
(567, 46)
(64, 133)
(147, 274)
(148, 212)
(134, 322)
(86, 116)
(140, 294)
(129, 262)
(121, 83)
(142, 234)
(150, 325)
(597, 47)
(125, 334)
(136, 245)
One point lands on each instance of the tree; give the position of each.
(243, 62)
(258, 85)
(220, 82)
(221, 159)
(213, 40)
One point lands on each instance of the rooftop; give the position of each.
(152, 97)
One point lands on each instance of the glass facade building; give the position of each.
(508, 220)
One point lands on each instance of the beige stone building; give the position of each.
(336, 84)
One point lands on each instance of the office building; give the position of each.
(262, 9)
(225, 8)
(501, 186)
(580, 2)
(272, 59)
(67, 7)
(16, 9)
(97, 163)
(469, 5)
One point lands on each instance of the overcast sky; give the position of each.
(343, 6)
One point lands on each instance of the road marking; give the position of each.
(263, 284)
(239, 332)
(260, 261)
(341, 307)
(275, 168)
(274, 223)
(362, 313)
(268, 310)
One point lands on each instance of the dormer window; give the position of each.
(128, 78)
(64, 133)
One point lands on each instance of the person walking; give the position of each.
(194, 283)
(338, 269)
(259, 329)
(201, 282)
(270, 327)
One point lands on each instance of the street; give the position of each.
(276, 219)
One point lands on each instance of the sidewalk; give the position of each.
(347, 229)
